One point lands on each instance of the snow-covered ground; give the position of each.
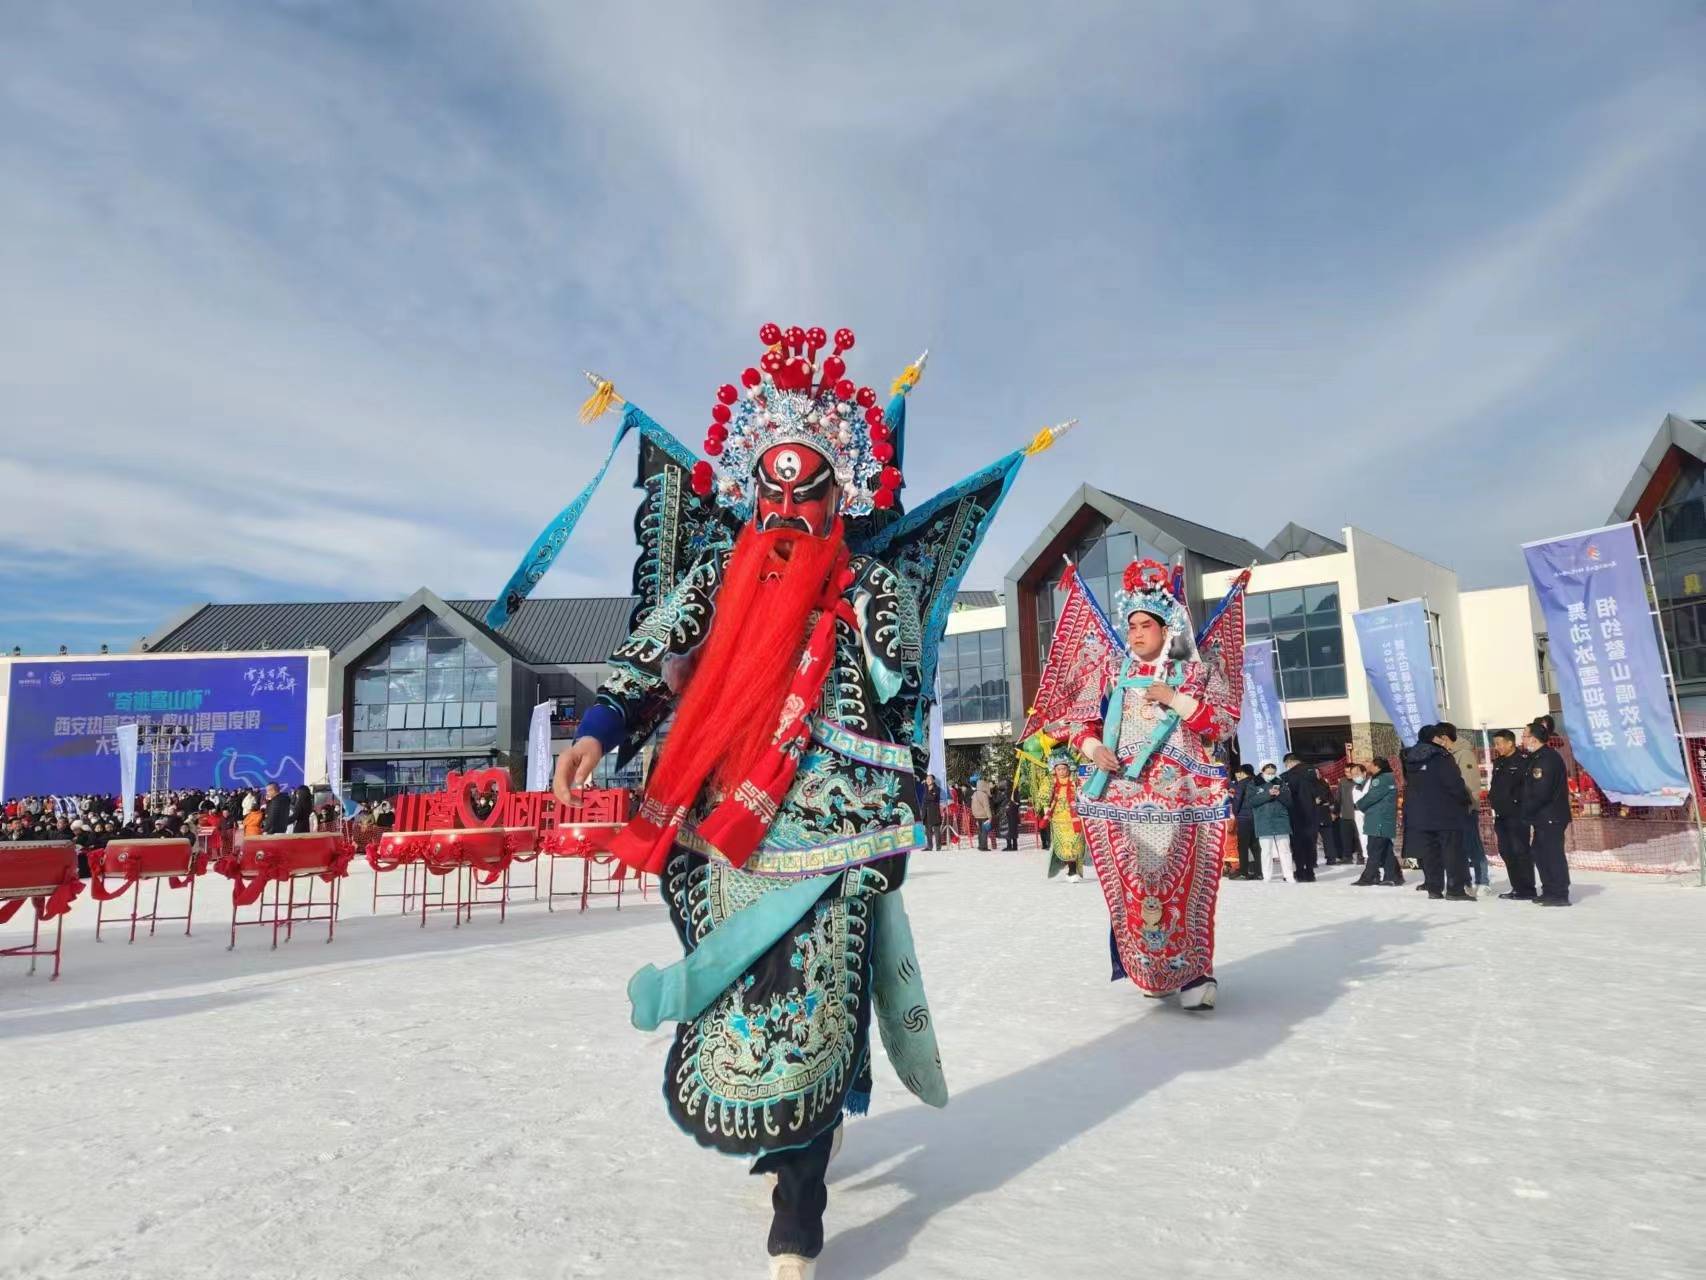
(1391, 1088)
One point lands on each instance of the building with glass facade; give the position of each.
(425, 687)
(1666, 497)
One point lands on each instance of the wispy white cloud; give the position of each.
(300, 289)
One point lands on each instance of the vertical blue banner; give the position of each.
(127, 736)
(1398, 660)
(335, 753)
(1611, 675)
(1262, 736)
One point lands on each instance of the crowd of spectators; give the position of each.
(94, 821)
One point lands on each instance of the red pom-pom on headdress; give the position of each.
(1140, 574)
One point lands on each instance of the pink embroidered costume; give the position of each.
(1153, 828)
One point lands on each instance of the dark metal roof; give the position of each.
(540, 632)
(1306, 542)
(1230, 550)
(977, 599)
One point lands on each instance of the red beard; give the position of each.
(730, 711)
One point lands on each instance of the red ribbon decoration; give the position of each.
(48, 905)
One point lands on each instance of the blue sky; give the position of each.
(296, 294)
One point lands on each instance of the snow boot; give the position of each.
(1198, 994)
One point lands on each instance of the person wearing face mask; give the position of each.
(1377, 815)
(1146, 703)
(1271, 802)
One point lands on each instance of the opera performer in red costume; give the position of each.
(1146, 704)
(790, 616)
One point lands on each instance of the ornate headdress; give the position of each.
(795, 398)
(1149, 589)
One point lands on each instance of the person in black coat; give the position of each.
(1302, 788)
(930, 797)
(1510, 768)
(1435, 802)
(1244, 816)
(1545, 807)
(276, 821)
(302, 810)
(1327, 823)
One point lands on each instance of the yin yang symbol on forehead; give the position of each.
(788, 465)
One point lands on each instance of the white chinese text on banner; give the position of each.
(1611, 675)
(1398, 659)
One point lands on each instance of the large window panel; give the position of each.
(407, 686)
(1286, 608)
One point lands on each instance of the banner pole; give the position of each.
(1675, 699)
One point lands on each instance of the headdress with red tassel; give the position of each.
(793, 397)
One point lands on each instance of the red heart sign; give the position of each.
(465, 786)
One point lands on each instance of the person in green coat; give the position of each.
(1379, 806)
(1270, 800)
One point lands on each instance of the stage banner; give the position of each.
(335, 754)
(1611, 675)
(1262, 735)
(1398, 660)
(938, 744)
(126, 736)
(539, 762)
(236, 721)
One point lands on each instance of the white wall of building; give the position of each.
(1289, 575)
(317, 706)
(1499, 628)
(1486, 637)
(963, 620)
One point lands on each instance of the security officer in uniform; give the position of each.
(1545, 806)
(1510, 768)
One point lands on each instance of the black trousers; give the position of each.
(1519, 858)
(1445, 864)
(1547, 843)
(800, 1197)
(1330, 841)
(1303, 854)
(1382, 862)
(1249, 851)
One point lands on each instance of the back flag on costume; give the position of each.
(1398, 659)
(1262, 737)
(1611, 675)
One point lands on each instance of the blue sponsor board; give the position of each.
(242, 722)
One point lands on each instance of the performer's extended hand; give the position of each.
(1104, 759)
(1162, 693)
(575, 767)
